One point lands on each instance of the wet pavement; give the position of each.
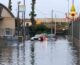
(59, 52)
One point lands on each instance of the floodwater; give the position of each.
(59, 52)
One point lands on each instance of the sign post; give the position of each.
(22, 9)
(72, 14)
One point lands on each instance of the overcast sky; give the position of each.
(44, 7)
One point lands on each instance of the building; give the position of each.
(61, 23)
(7, 22)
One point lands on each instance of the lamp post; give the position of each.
(24, 21)
(72, 17)
(68, 14)
(73, 14)
(18, 8)
(68, 6)
(18, 28)
(52, 22)
(22, 9)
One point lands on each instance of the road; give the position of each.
(59, 52)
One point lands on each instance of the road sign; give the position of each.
(22, 8)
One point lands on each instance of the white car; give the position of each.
(36, 37)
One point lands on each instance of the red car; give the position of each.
(43, 38)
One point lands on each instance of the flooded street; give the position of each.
(59, 52)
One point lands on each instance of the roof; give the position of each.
(7, 10)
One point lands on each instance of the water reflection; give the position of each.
(5, 56)
(3, 43)
(32, 53)
(58, 52)
(18, 53)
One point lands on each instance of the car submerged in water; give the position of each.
(51, 37)
(39, 37)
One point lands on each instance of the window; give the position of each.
(8, 31)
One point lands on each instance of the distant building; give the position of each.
(7, 21)
(50, 22)
(28, 22)
(46, 21)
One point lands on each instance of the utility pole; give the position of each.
(68, 6)
(72, 30)
(73, 14)
(68, 16)
(55, 25)
(18, 9)
(23, 14)
(52, 22)
(24, 34)
(18, 19)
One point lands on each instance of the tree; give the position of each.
(32, 14)
(38, 29)
(10, 6)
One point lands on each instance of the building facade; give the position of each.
(7, 22)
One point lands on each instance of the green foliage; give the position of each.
(10, 5)
(37, 29)
(40, 28)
